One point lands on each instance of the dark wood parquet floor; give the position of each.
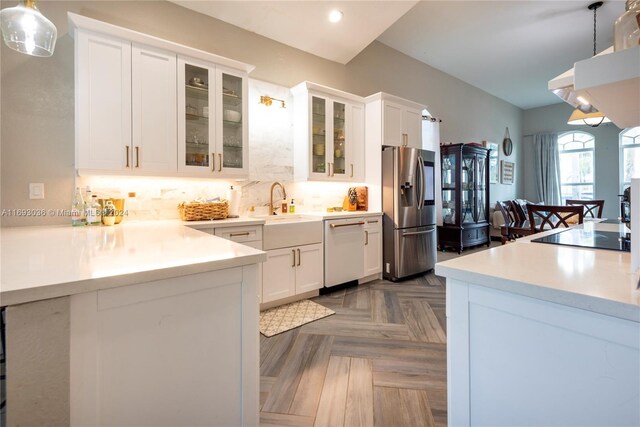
(379, 361)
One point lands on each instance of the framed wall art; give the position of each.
(494, 153)
(507, 172)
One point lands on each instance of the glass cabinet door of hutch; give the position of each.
(468, 183)
(481, 214)
(232, 122)
(197, 116)
(449, 194)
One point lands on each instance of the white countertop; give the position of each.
(262, 219)
(48, 262)
(597, 280)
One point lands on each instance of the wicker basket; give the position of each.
(194, 211)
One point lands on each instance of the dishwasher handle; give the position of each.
(417, 233)
(346, 225)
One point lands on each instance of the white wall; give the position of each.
(553, 118)
(37, 123)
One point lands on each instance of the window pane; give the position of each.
(576, 168)
(581, 192)
(631, 163)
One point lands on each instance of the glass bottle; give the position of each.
(626, 30)
(109, 213)
(93, 211)
(78, 217)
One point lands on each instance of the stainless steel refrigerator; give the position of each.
(408, 204)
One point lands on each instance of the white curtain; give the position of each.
(547, 167)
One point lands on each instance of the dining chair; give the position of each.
(592, 208)
(546, 217)
(521, 215)
(514, 226)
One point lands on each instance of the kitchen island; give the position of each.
(540, 334)
(148, 323)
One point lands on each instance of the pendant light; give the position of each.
(26, 30)
(586, 114)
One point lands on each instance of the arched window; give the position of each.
(576, 165)
(629, 156)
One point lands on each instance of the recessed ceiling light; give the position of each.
(335, 16)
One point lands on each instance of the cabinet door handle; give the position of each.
(137, 156)
(298, 257)
(366, 237)
(219, 162)
(405, 139)
(127, 149)
(246, 233)
(213, 162)
(328, 169)
(346, 225)
(332, 172)
(351, 170)
(293, 251)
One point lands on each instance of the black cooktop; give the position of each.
(595, 239)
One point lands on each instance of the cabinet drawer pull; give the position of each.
(293, 251)
(298, 257)
(246, 233)
(127, 149)
(346, 225)
(213, 162)
(137, 156)
(366, 237)
(373, 222)
(219, 162)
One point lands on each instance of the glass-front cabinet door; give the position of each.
(319, 162)
(338, 164)
(481, 213)
(195, 132)
(449, 193)
(468, 182)
(212, 120)
(232, 123)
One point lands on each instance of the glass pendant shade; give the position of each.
(589, 119)
(26, 30)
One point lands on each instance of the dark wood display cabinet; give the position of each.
(465, 196)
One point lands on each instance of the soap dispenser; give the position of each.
(292, 206)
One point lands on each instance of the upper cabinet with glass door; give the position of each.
(212, 122)
(128, 113)
(328, 134)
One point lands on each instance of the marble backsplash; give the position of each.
(270, 160)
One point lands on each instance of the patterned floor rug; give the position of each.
(285, 317)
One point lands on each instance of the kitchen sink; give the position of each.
(290, 230)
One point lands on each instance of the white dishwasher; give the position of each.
(343, 250)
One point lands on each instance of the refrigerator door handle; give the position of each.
(420, 195)
(417, 233)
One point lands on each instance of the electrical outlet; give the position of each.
(36, 190)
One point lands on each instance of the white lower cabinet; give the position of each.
(291, 271)
(373, 246)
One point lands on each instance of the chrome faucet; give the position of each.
(272, 210)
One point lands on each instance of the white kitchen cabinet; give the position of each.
(126, 107)
(212, 120)
(291, 271)
(140, 111)
(372, 246)
(328, 134)
(154, 109)
(103, 102)
(394, 121)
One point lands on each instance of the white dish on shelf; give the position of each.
(231, 116)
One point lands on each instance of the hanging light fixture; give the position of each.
(586, 114)
(26, 30)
